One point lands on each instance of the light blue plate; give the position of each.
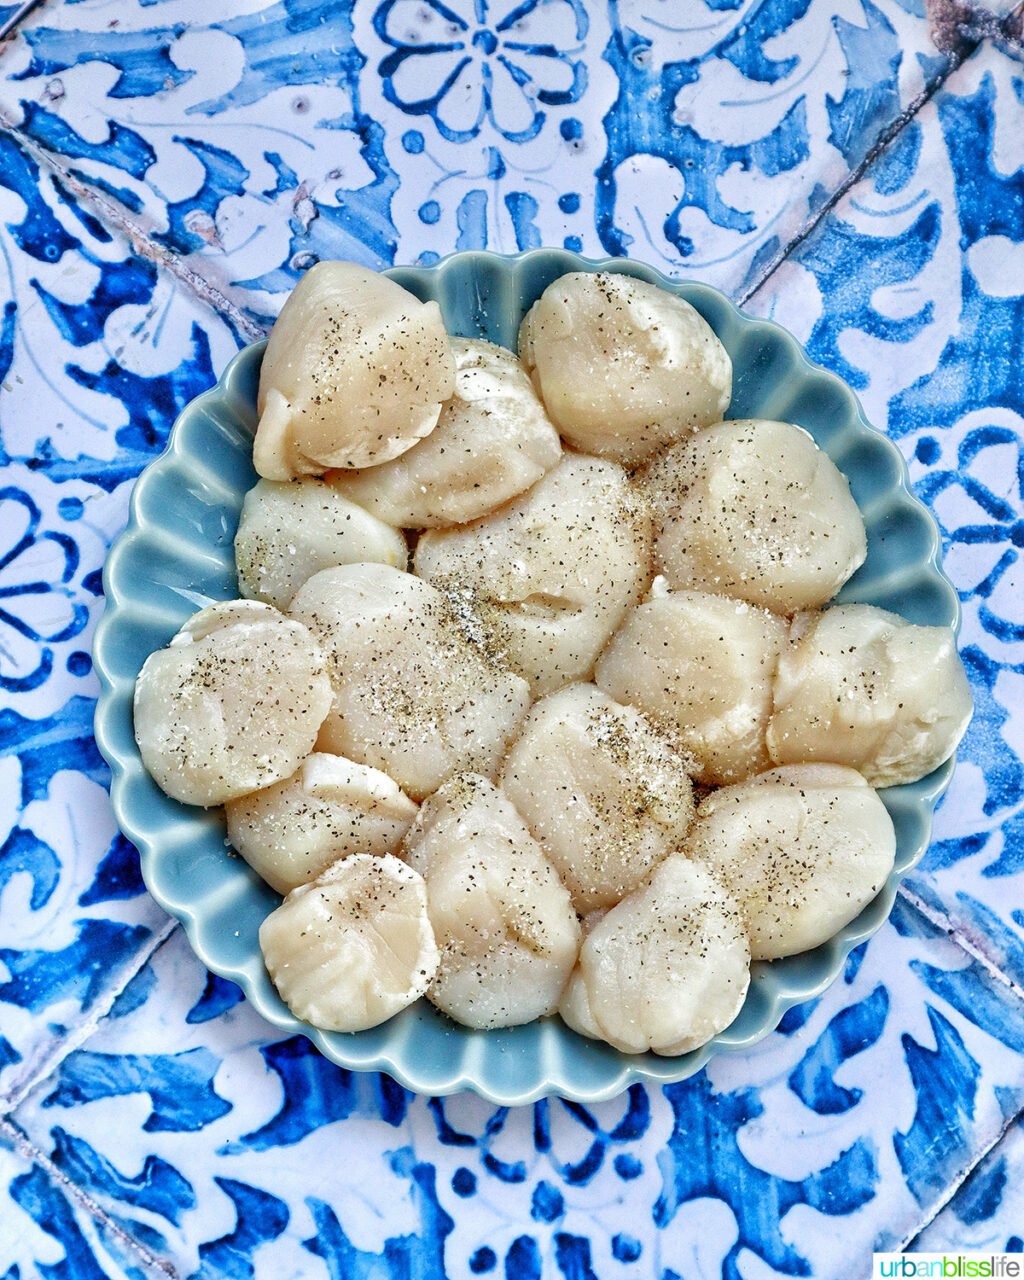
(176, 556)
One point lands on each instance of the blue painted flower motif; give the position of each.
(462, 64)
(36, 608)
(990, 522)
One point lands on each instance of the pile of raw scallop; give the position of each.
(534, 700)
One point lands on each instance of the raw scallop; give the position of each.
(412, 697)
(666, 969)
(349, 950)
(548, 577)
(861, 686)
(602, 791)
(506, 928)
(493, 441)
(330, 809)
(292, 529)
(754, 509)
(701, 667)
(623, 367)
(355, 373)
(802, 849)
(233, 704)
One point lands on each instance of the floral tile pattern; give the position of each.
(889, 1087)
(166, 172)
(926, 336)
(256, 138)
(97, 354)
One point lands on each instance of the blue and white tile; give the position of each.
(98, 348)
(232, 133)
(913, 290)
(51, 1235)
(98, 351)
(219, 1127)
(54, 537)
(987, 1212)
(76, 917)
(181, 1131)
(194, 1130)
(493, 114)
(254, 139)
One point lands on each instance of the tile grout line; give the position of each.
(20, 1142)
(986, 26)
(141, 242)
(38, 1071)
(9, 28)
(1011, 32)
(881, 144)
(946, 924)
(955, 1184)
(953, 933)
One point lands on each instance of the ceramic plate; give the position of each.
(176, 557)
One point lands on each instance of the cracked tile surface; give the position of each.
(166, 172)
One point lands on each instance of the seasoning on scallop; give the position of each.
(701, 667)
(412, 696)
(233, 704)
(623, 367)
(355, 373)
(504, 923)
(351, 949)
(803, 849)
(601, 790)
(290, 530)
(666, 969)
(331, 808)
(863, 687)
(754, 509)
(547, 578)
(492, 442)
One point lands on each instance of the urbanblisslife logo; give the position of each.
(948, 1266)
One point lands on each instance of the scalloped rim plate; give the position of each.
(175, 556)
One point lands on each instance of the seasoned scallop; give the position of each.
(330, 808)
(861, 686)
(233, 704)
(666, 969)
(355, 373)
(290, 530)
(549, 576)
(351, 949)
(701, 667)
(754, 509)
(623, 367)
(802, 849)
(412, 697)
(601, 790)
(503, 921)
(492, 442)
